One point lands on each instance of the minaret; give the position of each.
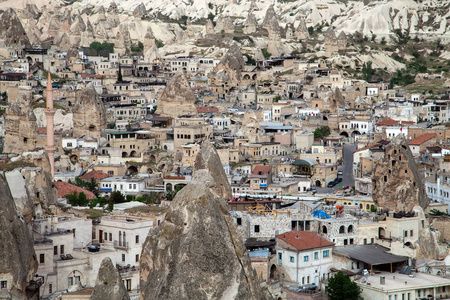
(50, 112)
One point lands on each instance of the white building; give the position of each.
(127, 186)
(305, 256)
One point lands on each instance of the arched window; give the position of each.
(342, 229)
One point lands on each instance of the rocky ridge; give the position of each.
(199, 238)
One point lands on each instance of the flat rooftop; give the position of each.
(418, 281)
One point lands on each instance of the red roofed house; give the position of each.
(261, 177)
(206, 109)
(305, 256)
(97, 175)
(421, 142)
(65, 188)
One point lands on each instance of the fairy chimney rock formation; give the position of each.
(208, 158)
(17, 254)
(196, 253)
(397, 184)
(177, 98)
(89, 114)
(109, 284)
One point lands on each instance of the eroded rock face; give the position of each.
(109, 285)
(397, 184)
(208, 158)
(12, 31)
(89, 114)
(18, 259)
(177, 98)
(196, 253)
(20, 124)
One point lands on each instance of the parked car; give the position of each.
(331, 184)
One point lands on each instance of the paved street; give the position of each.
(347, 173)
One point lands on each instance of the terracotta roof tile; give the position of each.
(261, 170)
(97, 175)
(65, 188)
(422, 139)
(302, 240)
(206, 109)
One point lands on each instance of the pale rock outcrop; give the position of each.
(63, 121)
(11, 30)
(428, 243)
(140, 11)
(89, 114)
(32, 190)
(18, 257)
(397, 184)
(20, 123)
(208, 158)
(109, 285)
(177, 98)
(250, 24)
(209, 27)
(198, 237)
(269, 17)
(229, 68)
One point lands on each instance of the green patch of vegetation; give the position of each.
(159, 43)
(149, 209)
(266, 53)
(341, 287)
(102, 49)
(250, 60)
(93, 213)
(137, 48)
(321, 132)
(437, 213)
(77, 199)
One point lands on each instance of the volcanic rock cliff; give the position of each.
(397, 184)
(196, 253)
(17, 256)
(109, 285)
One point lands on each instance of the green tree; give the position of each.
(367, 71)
(117, 197)
(102, 49)
(266, 53)
(322, 132)
(341, 287)
(77, 199)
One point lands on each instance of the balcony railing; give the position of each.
(121, 245)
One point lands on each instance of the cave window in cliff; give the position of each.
(399, 158)
(406, 171)
(393, 162)
(239, 221)
(256, 228)
(385, 178)
(25, 140)
(324, 229)
(3, 284)
(395, 151)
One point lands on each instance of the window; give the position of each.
(70, 281)
(316, 255)
(239, 221)
(291, 259)
(256, 228)
(41, 258)
(137, 239)
(410, 233)
(55, 250)
(406, 233)
(61, 249)
(305, 258)
(137, 257)
(280, 256)
(106, 236)
(123, 257)
(326, 253)
(50, 288)
(110, 236)
(3, 284)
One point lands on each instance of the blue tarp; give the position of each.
(320, 214)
